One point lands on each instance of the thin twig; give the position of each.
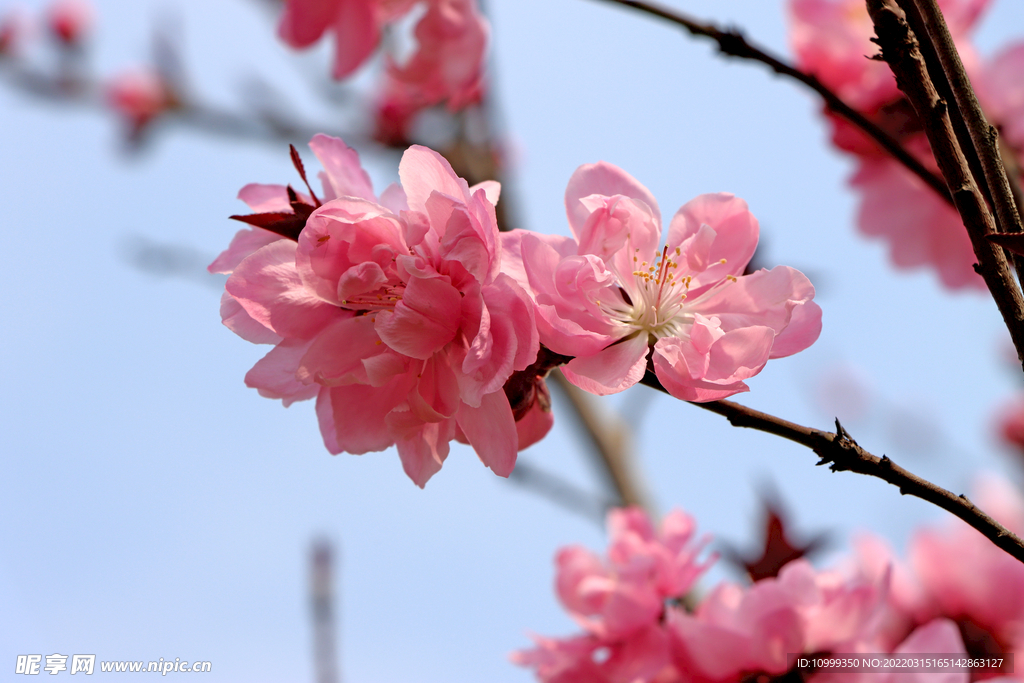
(189, 112)
(734, 44)
(900, 49)
(610, 440)
(561, 492)
(842, 454)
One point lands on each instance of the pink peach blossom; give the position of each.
(763, 627)
(446, 65)
(393, 312)
(611, 294)
(621, 602)
(448, 62)
(918, 226)
(966, 578)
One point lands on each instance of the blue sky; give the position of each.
(153, 506)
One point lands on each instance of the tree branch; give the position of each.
(900, 49)
(610, 440)
(978, 140)
(842, 454)
(733, 43)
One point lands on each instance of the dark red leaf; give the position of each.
(285, 224)
(778, 547)
(297, 161)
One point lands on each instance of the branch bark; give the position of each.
(901, 51)
(734, 44)
(842, 454)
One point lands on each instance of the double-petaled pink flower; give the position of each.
(621, 602)
(620, 303)
(446, 66)
(393, 312)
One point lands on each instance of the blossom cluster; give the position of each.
(831, 39)
(445, 67)
(413, 321)
(643, 622)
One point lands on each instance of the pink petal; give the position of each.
(236, 319)
(336, 355)
(325, 418)
(503, 343)
(436, 396)
(491, 189)
(736, 233)
(356, 35)
(424, 171)
(619, 228)
(733, 357)
(265, 198)
(464, 239)
(768, 298)
(426, 318)
(359, 414)
(422, 447)
(607, 180)
(491, 431)
(274, 374)
(267, 285)
(343, 175)
(304, 21)
(244, 244)
(612, 369)
(740, 354)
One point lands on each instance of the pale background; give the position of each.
(153, 506)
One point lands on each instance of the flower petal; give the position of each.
(736, 233)
(604, 179)
(611, 370)
(491, 431)
(426, 318)
(268, 286)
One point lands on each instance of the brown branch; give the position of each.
(900, 49)
(733, 43)
(190, 112)
(978, 139)
(610, 440)
(560, 492)
(842, 454)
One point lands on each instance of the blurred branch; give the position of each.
(843, 454)
(263, 125)
(560, 492)
(733, 43)
(901, 51)
(611, 441)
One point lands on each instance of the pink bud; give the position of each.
(13, 29)
(139, 95)
(69, 20)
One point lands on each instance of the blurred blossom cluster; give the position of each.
(832, 40)
(643, 620)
